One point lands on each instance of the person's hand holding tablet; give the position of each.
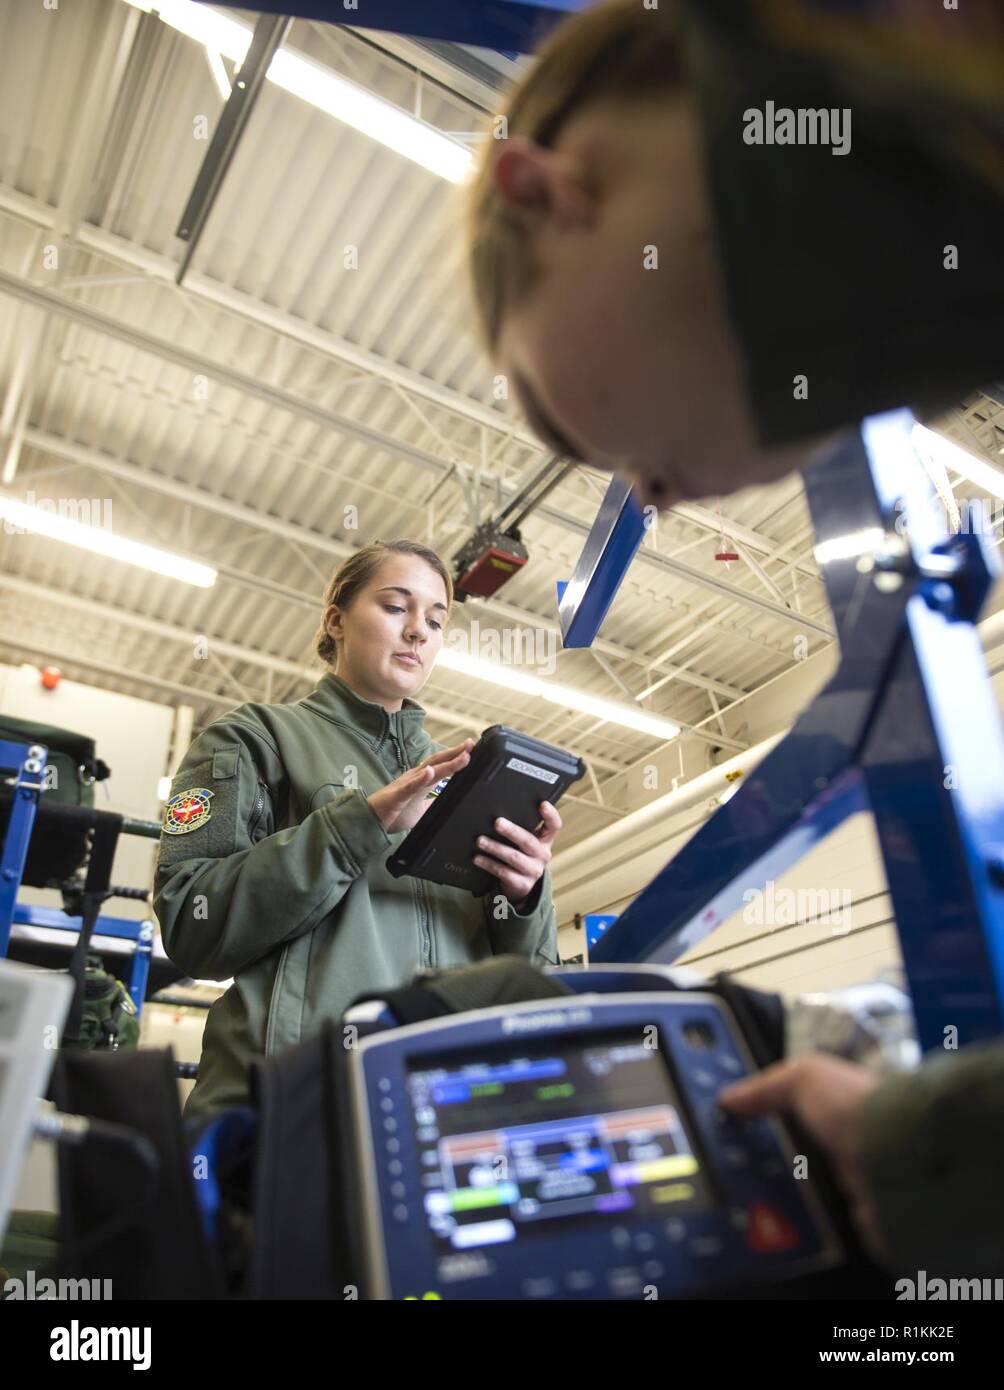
(403, 802)
(519, 860)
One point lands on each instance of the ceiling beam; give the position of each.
(156, 627)
(220, 296)
(53, 651)
(100, 462)
(247, 384)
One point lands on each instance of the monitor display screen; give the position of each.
(531, 1136)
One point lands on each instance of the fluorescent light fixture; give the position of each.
(219, 73)
(41, 522)
(163, 788)
(217, 31)
(847, 546)
(930, 444)
(565, 695)
(322, 88)
(371, 115)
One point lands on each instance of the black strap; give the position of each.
(99, 876)
(760, 1017)
(411, 1003)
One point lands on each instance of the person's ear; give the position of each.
(333, 622)
(531, 179)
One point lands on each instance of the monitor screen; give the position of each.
(529, 1137)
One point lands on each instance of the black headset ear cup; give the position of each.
(760, 1016)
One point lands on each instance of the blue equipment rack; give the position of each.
(29, 763)
(907, 727)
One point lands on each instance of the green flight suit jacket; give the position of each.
(274, 873)
(932, 1148)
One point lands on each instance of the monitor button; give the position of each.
(730, 1065)
(769, 1232)
(644, 1242)
(625, 1281)
(577, 1280)
(400, 1213)
(707, 1245)
(722, 1121)
(539, 1288)
(675, 1228)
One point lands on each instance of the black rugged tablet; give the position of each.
(509, 775)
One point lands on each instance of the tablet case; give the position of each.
(509, 775)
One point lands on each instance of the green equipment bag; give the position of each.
(108, 1018)
(56, 853)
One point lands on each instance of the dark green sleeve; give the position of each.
(532, 933)
(933, 1149)
(228, 892)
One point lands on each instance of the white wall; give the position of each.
(782, 955)
(793, 956)
(790, 958)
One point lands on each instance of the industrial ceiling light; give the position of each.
(846, 547)
(565, 695)
(21, 519)
(219, 73)
(322, 88)
(946, 452)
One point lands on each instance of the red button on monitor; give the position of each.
(768, 1232)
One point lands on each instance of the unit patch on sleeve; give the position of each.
(187, 811)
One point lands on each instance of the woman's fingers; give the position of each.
(552, 822)
(514, 858)
(446, 754)
(429, 772)
(536, 845)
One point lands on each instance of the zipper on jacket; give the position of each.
(425, 935)
(425, 924)
(421, 899)
(259, 806)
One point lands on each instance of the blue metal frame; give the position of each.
(612, 543)
(510, 26)
(29, 763)
(125, 928)
(596, 925)
(907, 726)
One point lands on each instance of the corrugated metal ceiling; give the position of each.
(236, 418)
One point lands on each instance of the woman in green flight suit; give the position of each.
(272, 865)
